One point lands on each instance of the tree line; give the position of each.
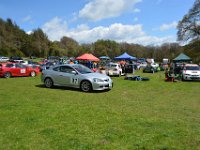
(15, 41)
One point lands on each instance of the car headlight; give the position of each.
(98, 80)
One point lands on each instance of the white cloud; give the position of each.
(152, 40)
(82, 27)
(57, 28)
(29, 32)
(26, 19)
(165, 27)
(117, 32)
(100, 9)
(136, 10)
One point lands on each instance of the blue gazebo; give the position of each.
(125, 56)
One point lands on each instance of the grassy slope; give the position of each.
(133, 115)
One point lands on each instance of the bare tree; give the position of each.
(189, 26)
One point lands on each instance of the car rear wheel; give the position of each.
(7, 75)
(48, 83)
(32, 74)
(86, 86)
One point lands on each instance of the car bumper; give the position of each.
(113, 73)
(191, 78)
(102, 86)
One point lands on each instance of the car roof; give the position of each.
(72, 65)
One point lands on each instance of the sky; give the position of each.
(145, 22)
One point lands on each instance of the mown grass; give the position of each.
(133, 115)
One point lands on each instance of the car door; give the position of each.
(10, 68)
(16, 70)
(20, 70)
(65, 77)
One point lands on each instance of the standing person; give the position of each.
(94, 65)
(89, 64)
(71, 62)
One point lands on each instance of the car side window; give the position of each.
(56, 69)
(66, 69)
(9, 65)
(20, 66)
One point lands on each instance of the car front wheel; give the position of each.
(48, 83)
(86, 86)
(7, 75)
(32, 74)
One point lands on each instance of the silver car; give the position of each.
(77, 76)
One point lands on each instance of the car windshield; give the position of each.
(113, 66)
(82, 69)
(192, 68)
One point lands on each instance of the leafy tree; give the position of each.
(193, 51)
(106, 47)
(84, 48)
(39, 43)
(69, 45)
(133, 49)
(55, 50)
(189, 26)
(11, 38)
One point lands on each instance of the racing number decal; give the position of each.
(22, 70)
(75, 81)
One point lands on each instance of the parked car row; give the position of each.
(79, 76)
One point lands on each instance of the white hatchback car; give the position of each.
(114, 69)
(191, 72)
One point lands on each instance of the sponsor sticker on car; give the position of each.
(23, 71)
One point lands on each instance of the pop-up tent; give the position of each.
(125, 56)
(88, 57)
(182, 58)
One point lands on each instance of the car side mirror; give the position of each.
(74, 72)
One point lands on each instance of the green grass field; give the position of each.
(133, 115)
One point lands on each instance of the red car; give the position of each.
(8, 70)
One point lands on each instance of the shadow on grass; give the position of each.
(69, 89)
